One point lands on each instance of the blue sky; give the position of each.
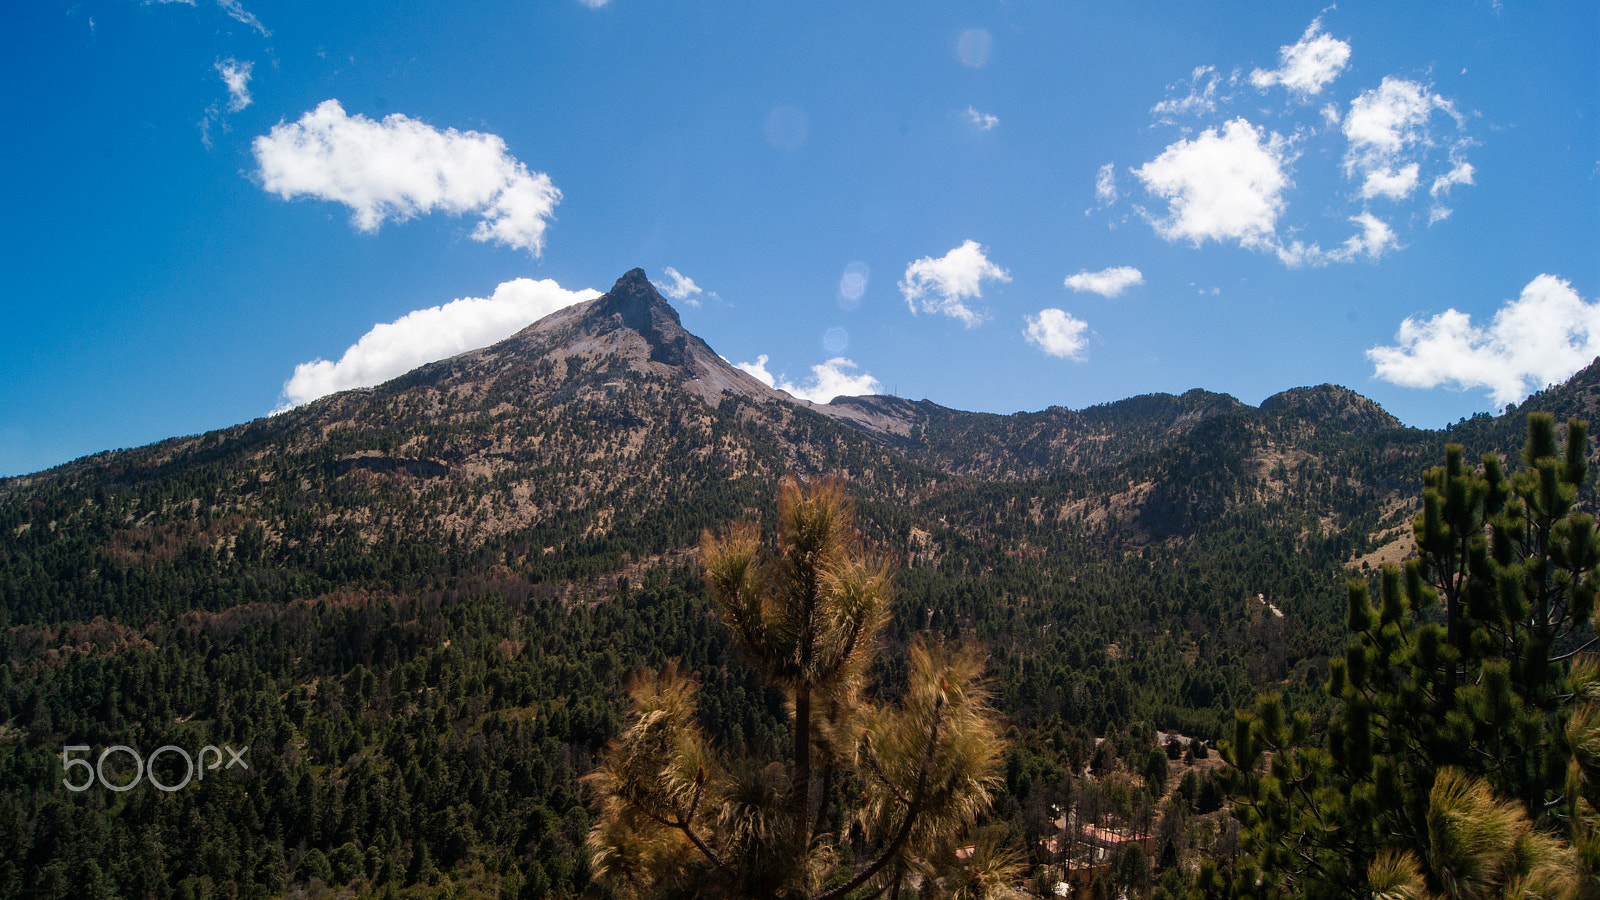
(220, 208)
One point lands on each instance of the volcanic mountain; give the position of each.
(631, 327)
(606, 432)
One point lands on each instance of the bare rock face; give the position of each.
(633, 302)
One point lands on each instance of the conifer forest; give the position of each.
(564, 623)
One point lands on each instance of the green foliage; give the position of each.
(1456, 688)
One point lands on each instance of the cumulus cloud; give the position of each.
(1058, 333)
(438, 332)
(1221, 186)
(1106, 282)
(983, 120)
(758, 369)
(1384, 127)
(944, 285)
(1232, 183)
(1308, 65)
(1540, 338)
(1395, 184)
(834, 378)
(399, 168)
(682, 288)
(1383, 121)
(236, 75)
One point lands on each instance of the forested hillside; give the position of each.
(417, 606)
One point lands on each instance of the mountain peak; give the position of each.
(1331, 403)
(631, 326)
(634, 295)
(633, 302)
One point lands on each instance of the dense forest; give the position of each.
(370, 647)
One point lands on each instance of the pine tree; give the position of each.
(1454, 696)
(679, 818)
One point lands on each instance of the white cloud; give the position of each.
(1385, 120)
(757, 369)
(232, 7)
(834, 378)
(1105, 185)
(1221, 186)
(1233, 181)
(1541, 338)
(1200, 100)
(400, 167)
(243, 16)
(1373, 240)
(945, 285)
(438, 332)
(1461, 174)
(984, 121)
(594, 4)
(1058, 333)
(1395, 184)
(682, 288)
(1308, 65)
(1385, 125)
(1106, 282)
(236, 75)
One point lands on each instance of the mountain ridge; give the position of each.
(633, 327)
(462, 565)
(607, 409)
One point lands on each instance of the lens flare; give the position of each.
(972, 48)
(852, 285)
(787, 127)
(835, 339)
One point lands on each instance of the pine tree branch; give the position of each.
(912, 812)
(877, 770)
(1566, 656)
(686, 824)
